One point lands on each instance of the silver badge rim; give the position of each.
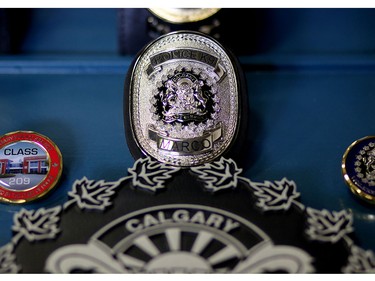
(198, 65)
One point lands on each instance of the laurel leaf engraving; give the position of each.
(360, 261)
(219, 175)
(278, 195)
(91, 194)
(37, 224)
(8, 259)
(328, 226)
(150, 175)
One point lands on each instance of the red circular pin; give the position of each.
(30, 166)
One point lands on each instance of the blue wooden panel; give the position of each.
(74, 31)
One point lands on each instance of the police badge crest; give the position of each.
(183, 99)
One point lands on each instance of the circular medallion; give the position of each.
(30, 166)
(358, 168)
(184, 15)
(183, 99)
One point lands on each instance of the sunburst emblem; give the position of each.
(181, 250)
(179, 239)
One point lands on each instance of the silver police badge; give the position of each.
(184, 99)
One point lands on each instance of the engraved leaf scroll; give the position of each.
(150, 175)
(328, 226)
(360, 261)
(7, 259)
(278, 195)
(37, 224)
(91, 194)
(219, 175)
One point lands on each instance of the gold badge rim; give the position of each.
(352, 186)
(181, 15)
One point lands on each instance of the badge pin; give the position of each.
(183, 99)
(358, 168)
(30, 166)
